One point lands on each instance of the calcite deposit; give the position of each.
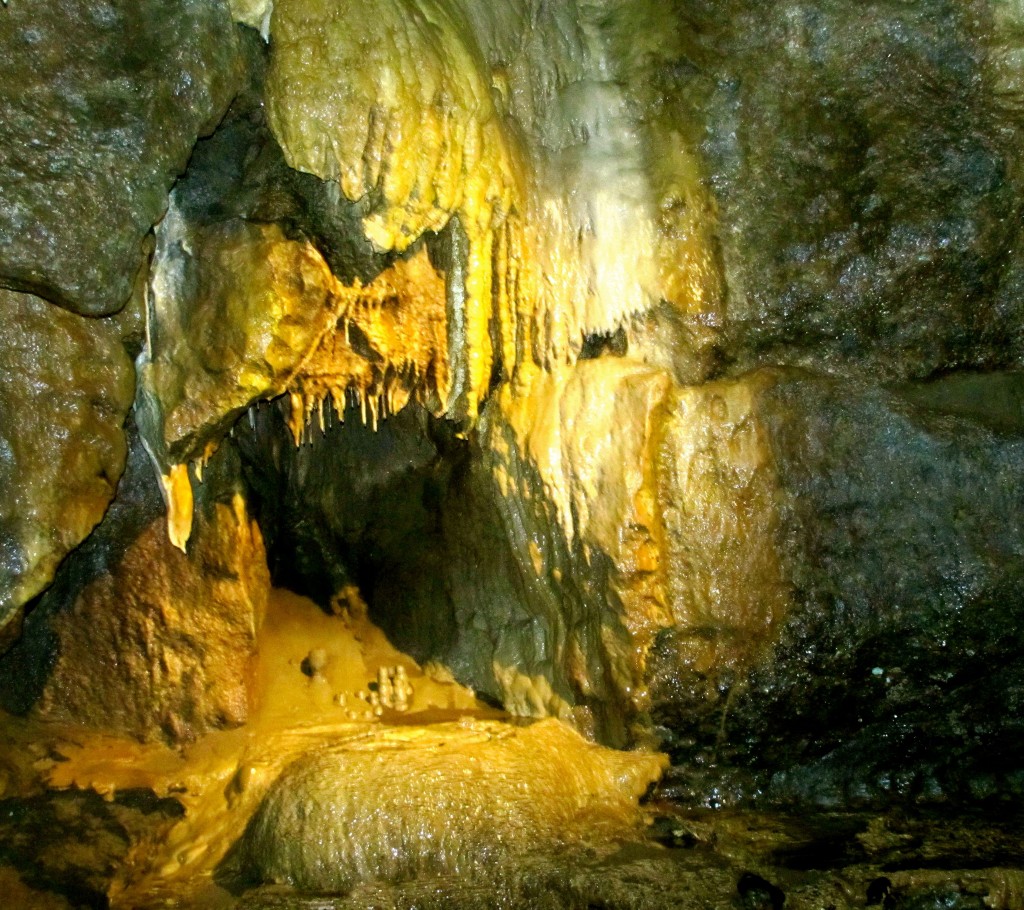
(514, 123)
(458, 802)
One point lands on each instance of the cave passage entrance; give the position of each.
(360, 513)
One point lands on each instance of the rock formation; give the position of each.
(653, 366)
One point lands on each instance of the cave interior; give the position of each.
(537, 454)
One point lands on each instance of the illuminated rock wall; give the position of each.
(135, 637)
(596, 288)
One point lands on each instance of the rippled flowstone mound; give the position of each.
(455, 799)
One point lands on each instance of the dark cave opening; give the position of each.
(358, 507)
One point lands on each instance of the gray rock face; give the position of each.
(864, 170)
(101, 104)
(66, 385)
(903, 542)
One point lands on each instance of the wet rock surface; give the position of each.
(575, 229)
(901, 542)
(61, 847)
(862, 159)
(720, 860)
(446, 558)
(95, 133)
(181, 626)
(457, 802)
(66, 385)
(239, 172)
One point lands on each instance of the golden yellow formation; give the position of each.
(532, 152)
(422, 141)
(390, 344)
(438, 784)
(567, 206)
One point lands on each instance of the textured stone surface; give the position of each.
(262, 284)
(95, 131)
(66, 384)
(575, 228)
(237, 306)
(239, 171)
(514, 122)
(455, 801)
(862, 158)
(900, 531)
(69, 844)
(572, 473)
(606, 505)
(719, 504)
(134, 636)
(241, 314)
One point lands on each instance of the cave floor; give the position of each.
(817, 861)
(743, 860)
(97, 821)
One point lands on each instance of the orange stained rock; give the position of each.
(546, 779)
(456, 799)
(389, 345)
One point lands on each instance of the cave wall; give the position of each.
(135, 637)
(653, 366)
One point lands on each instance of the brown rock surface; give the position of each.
(66, 385)
(138, 638)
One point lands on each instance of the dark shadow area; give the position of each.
(71, 843)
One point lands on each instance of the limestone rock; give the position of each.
(636, 504)
(513, 122)
(254, 13)
(457, 800)
(239, 172)
(720, 503)
(241, 314)
(606, 503)
(863, 163)
(572, 464)
(236, 307)
(136, 637)
(66, 385)
(898, 528)
(95, 131)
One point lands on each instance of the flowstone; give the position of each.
(452, 799)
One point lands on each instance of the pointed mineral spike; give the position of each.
(295, 417)
(178, 497)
